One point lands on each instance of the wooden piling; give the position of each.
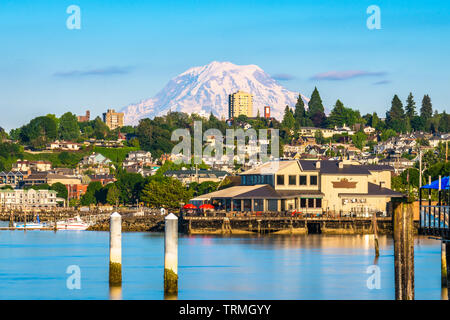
(11, 219)
(443, 265)
(375, 234)
(115, 249)
(404, 251)
(171, 254)
(447, 258)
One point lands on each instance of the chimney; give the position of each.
(341, 164)
(318, 165)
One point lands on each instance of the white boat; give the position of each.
(29, 226)
(72, 224)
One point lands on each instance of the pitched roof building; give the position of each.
(315, 187)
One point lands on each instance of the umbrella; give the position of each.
(189, 206)
(206, 206)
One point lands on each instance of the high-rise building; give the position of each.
(113, 119)
(240, 103)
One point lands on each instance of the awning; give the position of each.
(445, 184)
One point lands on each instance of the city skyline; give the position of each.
(125, 53)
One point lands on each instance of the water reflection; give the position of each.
(210, 267)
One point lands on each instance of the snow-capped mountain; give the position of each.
(204, 89)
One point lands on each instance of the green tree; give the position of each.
(410, 107)
(316, 111)
(387, 134)
(444, 123)
(288, 119)
(318, 135)
(300, 113)
(60, 189)
(113, 194)
(395, 117)
(359, 139)
(167, 192)
(426, 111)
(68, 127)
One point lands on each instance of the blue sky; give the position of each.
(127, 51)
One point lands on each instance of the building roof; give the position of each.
(270, 167)
(263, 191)
(332, 167)
(375, 167)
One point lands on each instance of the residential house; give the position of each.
(26, 165)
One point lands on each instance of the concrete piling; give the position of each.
(404, 251)
(115, 250)
(171, 254)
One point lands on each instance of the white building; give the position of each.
(27, 199)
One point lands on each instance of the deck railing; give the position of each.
(434, 218)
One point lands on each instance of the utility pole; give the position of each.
(446, 151)
(420, 168)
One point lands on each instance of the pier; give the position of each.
(269, 224)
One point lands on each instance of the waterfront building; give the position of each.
(27, 199)
(308, 186)
(113, 119)
(240, 103)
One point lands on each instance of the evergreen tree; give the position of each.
(444, 122)
(410, 107)
(300, 113)
(288, 119)
(316, 110)
(426, 111)
(395, 117)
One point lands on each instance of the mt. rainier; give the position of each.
(205, 89)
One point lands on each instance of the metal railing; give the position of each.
(434, 217)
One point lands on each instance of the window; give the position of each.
(292, 180)
(303, 180)
(310, 203)
(318, 203)
(313, 180)
(280, 179)
(302, 203)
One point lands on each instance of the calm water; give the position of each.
(33, 266)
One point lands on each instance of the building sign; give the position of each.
(344, 183)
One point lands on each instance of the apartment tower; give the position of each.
(113, 119)
(240, 103)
